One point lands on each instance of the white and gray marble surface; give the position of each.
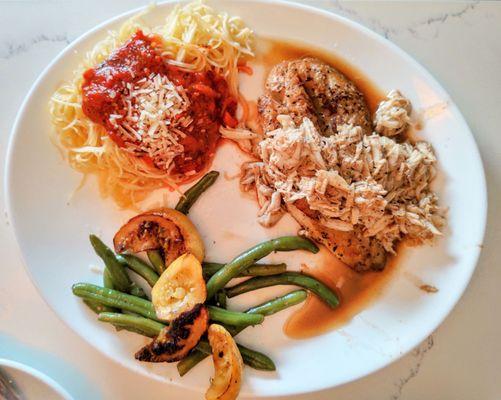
(459, 42)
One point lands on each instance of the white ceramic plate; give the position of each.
(30, 383)
(52, 232)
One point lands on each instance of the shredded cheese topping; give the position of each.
(155, 108)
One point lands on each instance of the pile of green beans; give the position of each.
(137, 305)
(115, 276)
(146, 323)
(122, 303)
(150, 328)
(235, 267)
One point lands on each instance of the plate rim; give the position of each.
(475, 254)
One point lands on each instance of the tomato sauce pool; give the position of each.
(105, 87)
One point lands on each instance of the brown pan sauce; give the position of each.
(355, 291)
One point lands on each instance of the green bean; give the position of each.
(252, 358)
(267, 308)
(97, 307)
(143, 326)
(156, 260)
(120, 278)
(264, 269)
(204, 347)
(114, 298)
(220, 299)
(280, 303)
(140, 268)
(108, 283)
(136, 290)
(256, 360)
(272, 307)
(287, 278)
(246, 259)
(134, 314)
(234, 318)
(133, 330)
(190, 361)
(193, 193)
(210, 268)
(107, 279)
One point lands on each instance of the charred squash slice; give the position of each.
(228, 365)
(175, 341)
(162, 229)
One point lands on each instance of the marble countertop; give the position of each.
(458, 42)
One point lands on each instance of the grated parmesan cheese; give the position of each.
(155, 110)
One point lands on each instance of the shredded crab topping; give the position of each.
(156, 113)
(393, 115)
(351, 181)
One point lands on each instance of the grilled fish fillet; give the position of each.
(358, 252)
(310, 88)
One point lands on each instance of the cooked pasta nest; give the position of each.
(196, 38)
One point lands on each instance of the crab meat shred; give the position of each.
(367, 183)
(392, 116)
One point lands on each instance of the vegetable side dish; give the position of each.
(188, 297)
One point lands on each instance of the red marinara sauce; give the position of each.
(211, 105)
